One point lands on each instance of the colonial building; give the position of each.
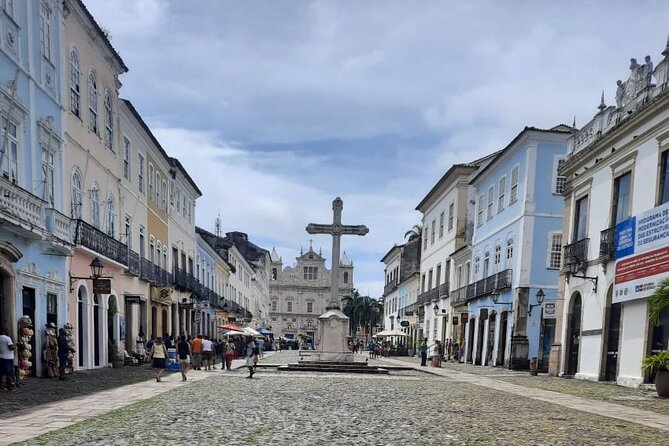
(35, 235)
(300, 293)
(516, 251)
(445, 229)
(615, 232)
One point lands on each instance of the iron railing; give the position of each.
(133, 263)
(576, 253)
(459, 296)
(607, 244)
(488, 285)
(390, 287)
(103, 244)
(428, 296)
(443, 290)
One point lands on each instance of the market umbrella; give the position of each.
(388, 333)
(227, 334)
(264, 331)
(232, 327)
(251, 332)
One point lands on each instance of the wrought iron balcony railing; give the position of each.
(133, 263)
(488, 285)
(443, 290)
(103, 244)
(428, 296)
(390, 287)
(607, 244)
(576, 253)
(459, 296)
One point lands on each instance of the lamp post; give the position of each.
(96, 266)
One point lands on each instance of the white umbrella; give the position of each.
(251, 332)
(388, 333)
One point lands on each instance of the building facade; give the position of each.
(615, 233)
(516, 251)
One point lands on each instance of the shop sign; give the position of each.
(549, 310)
(102, 286)
(163, 295)
(404, 323)
(642, 254)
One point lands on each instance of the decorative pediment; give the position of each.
(10, 252)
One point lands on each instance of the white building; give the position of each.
(616, 192)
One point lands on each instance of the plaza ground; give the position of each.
(456, 405)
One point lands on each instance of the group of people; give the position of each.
(201, 352)
(438, 351)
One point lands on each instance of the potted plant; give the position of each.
(658, 363)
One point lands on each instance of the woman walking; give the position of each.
(229, 354)
(184, 354)
(159, 354)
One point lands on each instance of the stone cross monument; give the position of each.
(336, 230)
(333, 324)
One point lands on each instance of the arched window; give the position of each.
(164, 202)
(93, 102)
(95, 205)
(111, 216)
(151, 180)
(164, 257)
(109, 121)
(477, 267)
(498, 257)
(486, 264)
(345, 277)
(75, 78)
(274, 273)
(509, 252)
(77, 195)
(158, 189)
(152, 249)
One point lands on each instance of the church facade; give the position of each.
(300, 293)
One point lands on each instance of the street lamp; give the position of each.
(435, 308)
(96, 268)
(540, 300)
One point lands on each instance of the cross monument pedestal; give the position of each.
(333, 324)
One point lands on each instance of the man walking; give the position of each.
(7, 360)
(422, 348)
(197, 352)
(207, 347)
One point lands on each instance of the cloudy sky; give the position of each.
(277, 107)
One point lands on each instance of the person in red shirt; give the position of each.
(197, 353)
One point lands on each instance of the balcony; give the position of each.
(185, 281)
(443, 290)
(146, 270)
(101, 243)
(576, 253)
(607, 244)
(133, 263)
(428, 296)
(488, 285)
(390, 287)
(459, 296)
(21, 208)
(59, 226)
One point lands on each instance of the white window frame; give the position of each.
(554, 255)
(501, 200)
(491, 203)
(163, 203)
(12, 149)
(497, 258)
(513, 191)
(140, 173)
(451, 216)
(433, 231)
(479, 211)
(77, 198)
(93, 123)
(111, 216)
(128, 230)
(158, 191)
(109, 120)
(75, 83)
(48, 175)
(558, 182)
(441, 224)
(151, 182)
(509, 252)
(45, 29)
(127, 151)
(95, 205)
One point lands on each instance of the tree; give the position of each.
(362, 311)
(658, 301)
(416, 232)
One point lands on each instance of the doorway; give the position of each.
(165, 326)
(471, 340)
(501, 346)
(573, 334)
(82, 321)
(492, 322)
(154, 321)
(29, 310)
(96, 330)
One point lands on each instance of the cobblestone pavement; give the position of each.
(313, 409)
(644, 399)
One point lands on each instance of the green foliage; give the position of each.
(362, 311)
(414, 233)
(658, 301)
(657, 362)
(112, 352)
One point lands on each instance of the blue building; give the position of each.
(516, 251)
(35, 235)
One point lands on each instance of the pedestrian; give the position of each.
(207, 347)
(196, 348)
(261, 347)
(437, 352)
(252, 350)
(229, 354)
(422, 348)
(159, 355)
(183, 355)
(64, 350)
(7, 348)
(249, 363)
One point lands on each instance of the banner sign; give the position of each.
(642, 254)
(549, 310)
(163, 295)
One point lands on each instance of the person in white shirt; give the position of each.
(207, 347)
(6, 360)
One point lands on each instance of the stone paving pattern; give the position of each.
(311, 409)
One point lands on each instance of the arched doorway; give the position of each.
(82, 326)
(573, 334)
(471, 340)
(154, 320)
(479, 340)
(492, 323)
(501, 342)
(611, 345)
(96, 330)
(165, 326)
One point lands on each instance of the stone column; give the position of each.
(484, 355)
(475, 343)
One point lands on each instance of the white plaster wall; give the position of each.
(633, 342)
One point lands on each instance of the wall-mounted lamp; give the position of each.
(576, 267)
(540, 299)
(96, 266)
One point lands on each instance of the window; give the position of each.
(273, 305)
(425, 241)
(164, 202)
(501, 201)
(620, 208)
(128, 231)
(95, 206)
(126, 158)
(429, 279)
(111, 216)
(310, 307)
(664, 177)
(441, 224)
(151, 182)
(486, 264)
(498, 257)
(434, 225)
(289, 307)
(93, 102)
(158, 191)
(491, 201)
(75, 77)
(274, 274)
(48, 176)
(310, 272)
(10, 157)
(178, 200)
(555, 250)
(451, 212)
(438, 277)
(140, 173)
(52, 308)
(558, 186)
(479, 213)
(468, 272)
(165, 257)
(514, 185)
(109, 121)
(509, 252)
(458, 278)
(77, 195)
(477, 266)
(345, 277)
(422, 283)
(581, 219)
(156, 259)
(45, 30)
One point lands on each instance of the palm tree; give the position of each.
(658, 301)
(363, 311)
(416, 232)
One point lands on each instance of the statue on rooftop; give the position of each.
(647, 72)
(620, 93)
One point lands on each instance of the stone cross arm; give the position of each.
(337, 229)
